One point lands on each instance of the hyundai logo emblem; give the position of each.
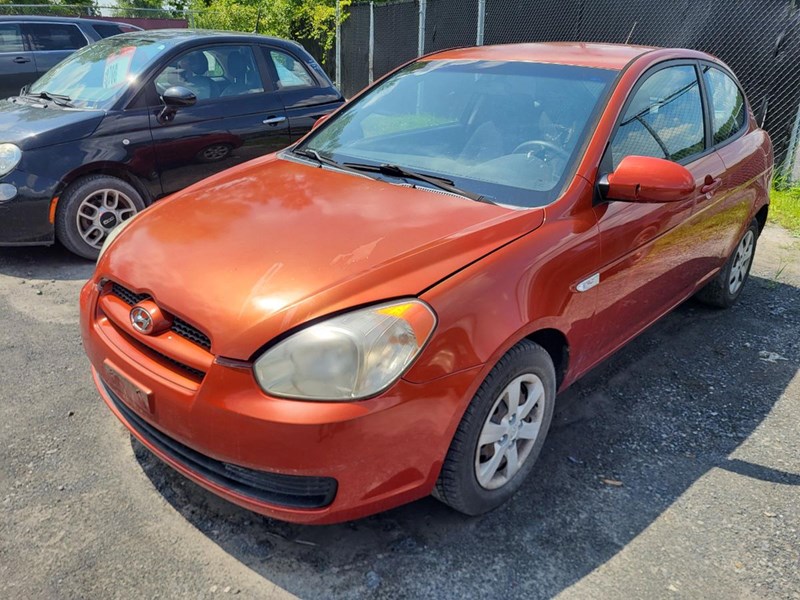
(141, 320)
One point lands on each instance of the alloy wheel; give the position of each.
(510, 431)
(741, 262)
(100, 212)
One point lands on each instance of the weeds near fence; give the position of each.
(784, 208)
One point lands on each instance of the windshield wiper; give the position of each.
(324, 160)
(440, 182)
(59, 99)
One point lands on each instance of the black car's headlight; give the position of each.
(10, 155)
(348, 357)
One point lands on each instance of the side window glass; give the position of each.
(10, 38)
(291, 72)
(55, 36)
(213, 72)
(728, 112)
(664, 119)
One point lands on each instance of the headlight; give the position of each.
(112, 235)
(352, 356)
(10, 156)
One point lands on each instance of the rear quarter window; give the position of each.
(728, 109)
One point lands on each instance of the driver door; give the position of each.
(237, 117)
(650, 251)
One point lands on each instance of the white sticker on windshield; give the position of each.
(117, 67)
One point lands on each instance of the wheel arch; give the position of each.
(111, 169)
(556, 344)
(761, 217)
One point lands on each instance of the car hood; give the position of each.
(31, 126)
(255, 251)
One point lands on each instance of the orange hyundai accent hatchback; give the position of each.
(387, 309)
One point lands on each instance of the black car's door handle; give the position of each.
(21, 59)
(273, 120)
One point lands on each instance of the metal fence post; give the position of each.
(423, 8)
(338, 45)
(371, 39)
(481, 22)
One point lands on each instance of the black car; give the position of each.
(31, 46)
(140, 115)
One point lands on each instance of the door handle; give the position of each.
(273, 120)
(711, 185)
(21, 59)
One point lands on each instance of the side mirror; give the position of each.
(647, 179)
(320, 120)
(175, 97)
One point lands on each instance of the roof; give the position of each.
(603, 56)
(43, 19)
(175, 37)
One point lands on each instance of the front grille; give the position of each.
(292, 491)
(128, 296)
(179, 326)
(183, 329)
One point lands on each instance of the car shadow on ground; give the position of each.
(44, 263)
(626, 442)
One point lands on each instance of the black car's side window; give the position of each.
(11, 38)
(290, 72)
(55, 36)
(728, 111)
(664, 118)
(213, 72)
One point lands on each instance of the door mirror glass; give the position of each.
(647, 179)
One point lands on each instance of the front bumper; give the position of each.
(380, 453)
(25, 218)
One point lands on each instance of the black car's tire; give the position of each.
(724, 290)
(463, 483)
(90, 208)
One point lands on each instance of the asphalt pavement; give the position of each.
(671, 471)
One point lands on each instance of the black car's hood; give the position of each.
(32, 126)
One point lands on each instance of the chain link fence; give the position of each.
(758, 39)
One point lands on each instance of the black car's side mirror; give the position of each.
(175, 97)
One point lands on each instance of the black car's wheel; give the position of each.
(724, 290)
(502, 432)
(90, 208)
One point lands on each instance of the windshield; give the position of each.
(97, 75)
(506, 130)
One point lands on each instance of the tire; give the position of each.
(90, 208)
(724, 290)
(463, 483)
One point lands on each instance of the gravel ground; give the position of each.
(693, 427)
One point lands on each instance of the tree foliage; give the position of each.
(306, 20)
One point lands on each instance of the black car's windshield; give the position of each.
(508, 131)
(97, 75)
